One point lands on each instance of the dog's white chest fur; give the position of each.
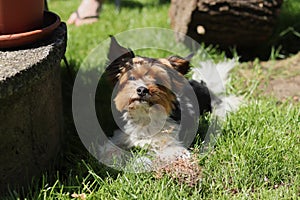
(150, 128)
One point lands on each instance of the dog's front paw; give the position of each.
(172, 153)
(111, 155)
(140, 164)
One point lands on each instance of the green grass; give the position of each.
(83, 39)
(256, 157)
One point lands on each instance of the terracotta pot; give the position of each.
(51, 22)
(17, 16)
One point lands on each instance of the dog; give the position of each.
(153, 99)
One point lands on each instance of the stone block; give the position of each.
(30, 109)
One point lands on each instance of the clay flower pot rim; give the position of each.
(51, 21)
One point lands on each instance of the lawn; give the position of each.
(256, 157)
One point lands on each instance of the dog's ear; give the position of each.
(117, 53)
(118, 57)
(182, 65)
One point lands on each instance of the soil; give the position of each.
(284, 79)
(285, 88)
(276, 78)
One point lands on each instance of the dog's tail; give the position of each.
(215, 75)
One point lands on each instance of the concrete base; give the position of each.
(30, 109)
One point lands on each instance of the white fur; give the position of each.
(215, 75)
(159, 134)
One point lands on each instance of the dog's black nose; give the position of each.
(142, 91)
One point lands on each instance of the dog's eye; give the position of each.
(131, 78)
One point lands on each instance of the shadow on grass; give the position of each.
(73, 151)
(287, 32)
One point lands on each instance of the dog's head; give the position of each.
(143, 82)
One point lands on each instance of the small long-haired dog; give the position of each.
(160, 108)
